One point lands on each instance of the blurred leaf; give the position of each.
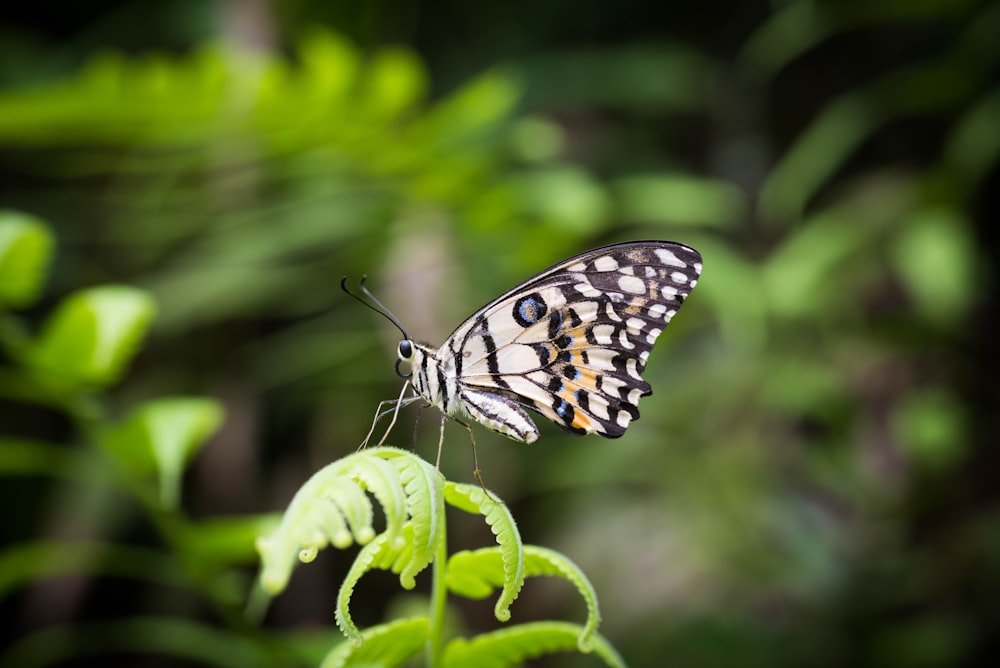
(181, 639)
(930, 427)
(803, 386)
(93, 335)
(25, 253)
(28, 562)
(974, 146)
(332, 65)
(566, 198)
(731, 284)
(164, 434)
(818, 152)
(806, 276)
(934, 641)
(936, 260)
(229, 540)
(797, 27)
(535, 139)
(648, 77)
(396, 82)
(679, 199)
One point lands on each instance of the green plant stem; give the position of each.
(439, 598)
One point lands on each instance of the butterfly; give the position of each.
(570, 343)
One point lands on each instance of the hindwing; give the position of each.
(571, 342)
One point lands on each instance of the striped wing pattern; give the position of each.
(571, 342)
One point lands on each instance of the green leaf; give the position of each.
(25, 251)
(25, 563)
(191, 643)
(513, 646)
(395, 82)
(24, 457)
(164, 435)
(798, 279)
(383, 645)
(679, 199)
(93, 335)
(567, 198)
(931, 427)
(815, 156)
(476, 574)
(228, 539)
(475, 500)
(935, 258)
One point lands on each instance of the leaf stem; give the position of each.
(439, 597)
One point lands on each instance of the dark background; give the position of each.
(814, 479)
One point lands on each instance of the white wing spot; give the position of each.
(632, 370)
(657, 310)
(624, 417)
(579, 267)
(670, 314)
(632, 284)
(643, 356)
(603, 333)
(623, 340)
(586, 310)
(634, 396)
(668, 292)
(667, 257)
(697, 268)
(635, 325)
(610, 312)
(605, 263)
(650, 272)
(651, 337)
(587, 290)
(679, 278)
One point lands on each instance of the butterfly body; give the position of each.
(570, 343)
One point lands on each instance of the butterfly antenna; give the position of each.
(381, 310)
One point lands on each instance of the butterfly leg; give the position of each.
(475, 461)
(381, 412)
(437, 463)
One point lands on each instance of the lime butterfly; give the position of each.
(570, 343)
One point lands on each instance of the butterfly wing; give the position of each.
(572, 341)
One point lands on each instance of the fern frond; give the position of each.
(425, 501)
(514, 645)
(384, 645)
(473, 499)
(335, 498)
(475, 574)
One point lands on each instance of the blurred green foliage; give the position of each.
(811, 482)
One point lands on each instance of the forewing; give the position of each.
(572, 341)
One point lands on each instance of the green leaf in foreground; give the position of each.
(93, 335)
(25, 252)
(164, 434)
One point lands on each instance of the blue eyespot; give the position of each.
(529, 309)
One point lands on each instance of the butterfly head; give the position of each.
(404, 355)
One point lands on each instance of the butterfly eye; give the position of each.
(405, 353)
